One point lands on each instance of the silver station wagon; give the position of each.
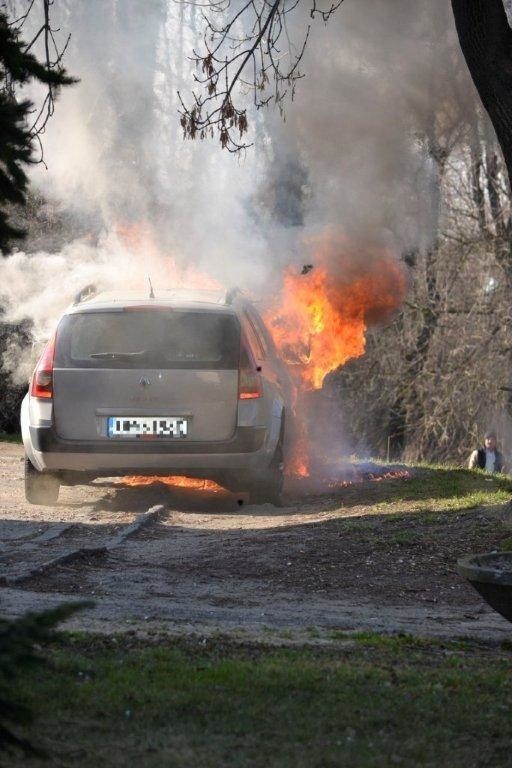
(177, 383)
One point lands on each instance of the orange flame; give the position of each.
(177, 481)
(139, 238)
(323, 314)
(318, 323)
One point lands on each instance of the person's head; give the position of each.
(490, 440)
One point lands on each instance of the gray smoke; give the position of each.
(351, 153)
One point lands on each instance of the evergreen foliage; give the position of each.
(21, 641)
(18, 67)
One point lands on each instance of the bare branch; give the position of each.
(249, 52)
(52, 56)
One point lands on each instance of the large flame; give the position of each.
(318, 320)
(323, 312)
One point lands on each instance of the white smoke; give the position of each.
(349, 151)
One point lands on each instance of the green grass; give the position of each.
(465, 489)
(404, 538)
(372, 702)
(5, 438)
(433, 488)
(435, 508)
(351, 701)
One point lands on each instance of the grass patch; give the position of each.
(404, 539)
(454, 488)
(431, 518)
(15, 438)
(369, 703)
(437, 510)
(432, 489)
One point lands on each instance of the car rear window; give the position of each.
(152, 338)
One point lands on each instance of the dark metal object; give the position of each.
(491, 575)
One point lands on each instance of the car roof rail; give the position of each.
(85, 293)
(232, 294)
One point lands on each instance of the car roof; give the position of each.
(176, 299)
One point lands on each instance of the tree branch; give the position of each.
(242, 55)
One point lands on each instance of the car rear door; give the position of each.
(147, 362)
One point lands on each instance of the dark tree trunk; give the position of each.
(486, 41)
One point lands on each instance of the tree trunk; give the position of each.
(486, 41)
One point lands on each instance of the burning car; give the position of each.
(184, 383)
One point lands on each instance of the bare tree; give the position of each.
(432, 380)
(246, 45)
(250, 47)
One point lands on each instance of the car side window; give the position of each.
(254, 338)
(263, 334)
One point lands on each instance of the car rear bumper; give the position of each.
(247, 449)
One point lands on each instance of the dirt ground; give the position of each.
(207, 563)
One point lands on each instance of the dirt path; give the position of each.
(201, 562)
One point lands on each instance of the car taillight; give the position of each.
(42, 378)
(249, 380)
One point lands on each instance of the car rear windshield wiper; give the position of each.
(118, 355)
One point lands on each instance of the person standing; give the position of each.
(487, 457)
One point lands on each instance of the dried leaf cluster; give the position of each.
(247, 53)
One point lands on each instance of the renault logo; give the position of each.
(144, 382)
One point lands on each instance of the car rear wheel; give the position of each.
(40, 487)
(270, 487)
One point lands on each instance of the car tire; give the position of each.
(40, 487)
(270, 488)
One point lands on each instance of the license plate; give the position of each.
(147, 426)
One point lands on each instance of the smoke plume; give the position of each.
(351, 155)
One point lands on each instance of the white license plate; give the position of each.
(147, 426)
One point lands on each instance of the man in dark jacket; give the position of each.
(487, 456)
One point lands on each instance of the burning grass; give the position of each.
(328, 480)
(173, 481)
(325, 483)
(429, 488)
(387, 543)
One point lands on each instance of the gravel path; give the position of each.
(154, 558)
